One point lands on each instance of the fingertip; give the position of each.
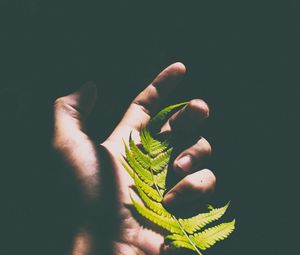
(200, 184)
(192, 158)
(171, 75)
(179, 68)
(190, 118)
(198, 106)
(176, 70)
(203, 181)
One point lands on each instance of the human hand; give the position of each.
(108, 225)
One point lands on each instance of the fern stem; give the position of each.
(181, 228)
(186, 235)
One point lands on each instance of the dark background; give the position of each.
(242, 57)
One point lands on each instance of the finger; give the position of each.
(69, 139)
(188, 119)
(193, 158)
(190, 188)
(149, 101)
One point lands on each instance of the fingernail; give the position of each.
(185, 163)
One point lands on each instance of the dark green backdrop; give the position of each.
(242, 57)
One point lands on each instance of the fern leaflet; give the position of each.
(197, 222)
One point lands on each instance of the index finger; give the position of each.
(148, 102)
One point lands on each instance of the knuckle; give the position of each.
(209, 175)
(147, 100)
(59, 102)
(209, 179)
(143, 106)
(63, 104)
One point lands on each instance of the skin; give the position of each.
(108, 224)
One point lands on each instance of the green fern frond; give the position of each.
(182, 244)
(197, 222)
(143, 159)
(158, 163)
(143, 173)
(210, 207)
(210, 236)
(151, 145)
(204, 239)
(158, 120)
(164, 222)
(128, 169)
(151, 192)
(154, 206)
(148, 168)
(160, 179)
(180, 241)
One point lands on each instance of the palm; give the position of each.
(134, 238)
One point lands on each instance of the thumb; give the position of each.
(84, 99)
(71, 111)
(71, 142)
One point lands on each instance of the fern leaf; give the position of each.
(145, 139)
(151, 145)
(210, 236)
(143, 159)
(177, 237)
(154, 206)
(158, 120)
(197, 222)
(158, 163)
(182, 244)
(157, 148)
(143, 173)
(160, 179)
(167, 223)
(204, 239)
(179, 241)
(151, 192)
(210, 207)
(128, 169)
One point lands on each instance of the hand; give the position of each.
(108, 226)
